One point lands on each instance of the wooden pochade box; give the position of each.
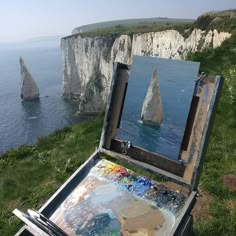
(105, 197)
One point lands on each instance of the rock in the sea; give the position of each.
(29, 89)
(152, 113)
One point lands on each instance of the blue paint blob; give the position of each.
(141, 186)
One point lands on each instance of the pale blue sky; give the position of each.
(23, 19)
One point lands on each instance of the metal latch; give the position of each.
(199, 79)
(125, 145)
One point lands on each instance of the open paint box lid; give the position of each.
(157, 124)
(175, 146)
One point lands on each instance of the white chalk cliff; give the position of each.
(88, 61)
(152, 112)
(29, 89)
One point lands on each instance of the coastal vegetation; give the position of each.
(218, 179)
(138, 29)
(29, 175)
(222, 21)
(129, 22)
(130, 26)
(95, 83)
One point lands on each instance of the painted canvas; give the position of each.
(157, 104)
(112, 200)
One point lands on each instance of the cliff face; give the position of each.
(88, 62)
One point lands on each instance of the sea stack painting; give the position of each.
(152, 112)
(29, 89)
(157, 104)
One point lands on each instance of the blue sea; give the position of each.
(24, 122)
(176, 81)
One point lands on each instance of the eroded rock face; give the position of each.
(81, 55)
(29, 89)
(219, 38)
(152, 112)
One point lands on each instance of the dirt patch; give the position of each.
(230, 182)
(50, 182)
(231, 204)
(13, 204)
(201, 209)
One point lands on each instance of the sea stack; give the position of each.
(152, 113)
(29, 89)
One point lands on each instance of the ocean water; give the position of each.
(24, 122)
(176, 84)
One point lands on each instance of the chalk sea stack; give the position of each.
(152, 106)
(29, 89)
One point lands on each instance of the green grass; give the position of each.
(130, 22)
(29, 175)
(135, 29)
(222, 21)
(221, 154)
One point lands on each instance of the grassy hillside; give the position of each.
(222, 21)
(118, 30)
(129, 23)
(29, 175)
(218, 179)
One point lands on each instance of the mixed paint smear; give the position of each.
(160, 195)
(112, 200)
